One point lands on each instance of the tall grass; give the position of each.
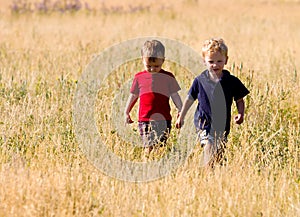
(43, 172)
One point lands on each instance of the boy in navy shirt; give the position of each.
(215, 89)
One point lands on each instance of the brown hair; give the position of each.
(154, 49)
(214, 45)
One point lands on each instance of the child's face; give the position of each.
(215, 62)
(154, 65)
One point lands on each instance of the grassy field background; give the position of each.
(43, 172)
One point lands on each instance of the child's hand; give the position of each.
(128, 119)
(179, 123)
(239, 118)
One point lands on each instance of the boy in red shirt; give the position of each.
(154, 86)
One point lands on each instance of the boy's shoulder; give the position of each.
(227, 76)
(166, 72)
(162, 71)
(141, 73)
(202, 76)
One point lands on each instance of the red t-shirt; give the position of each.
(154, 90)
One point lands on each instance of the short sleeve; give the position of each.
(174, 86)
(135, 86)
(194, 90)
(240, 90)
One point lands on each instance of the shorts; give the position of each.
(216, 143)
(206, 138)
(154, 132)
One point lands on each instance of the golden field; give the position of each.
(43, 171)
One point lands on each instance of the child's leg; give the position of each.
(221, 146)
(147, 135)
(154, 133)
(213, 148)
(207, 142)
(145, 130)
(162, 130)
(209, 154)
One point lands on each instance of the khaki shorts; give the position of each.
(214, 146)
(154, 132)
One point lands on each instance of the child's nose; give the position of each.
(214, 64)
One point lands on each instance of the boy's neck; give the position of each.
(215, 77)
(154, 72)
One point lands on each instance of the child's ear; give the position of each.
(226, 60)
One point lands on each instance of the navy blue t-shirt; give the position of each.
(213, 111)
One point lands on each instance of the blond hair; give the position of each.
(153, 48)
(214, 45)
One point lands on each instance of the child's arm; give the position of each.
(177, 101)
(240, 105)
(186, 106)
(129, 105)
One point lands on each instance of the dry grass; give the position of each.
(44, 173)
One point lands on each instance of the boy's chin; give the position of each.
(216, 72)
